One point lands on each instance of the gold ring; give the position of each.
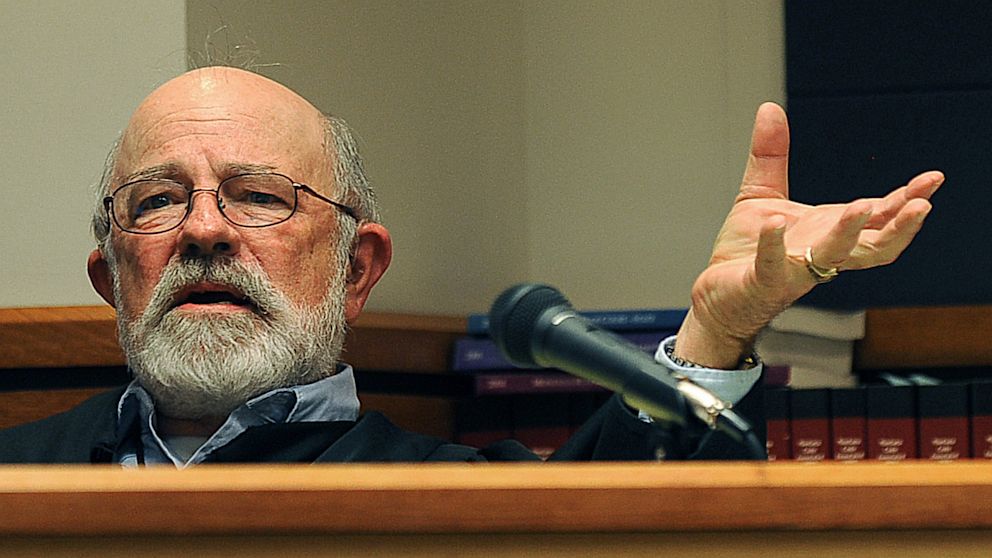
(820, 274)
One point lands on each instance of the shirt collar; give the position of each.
(334, 398)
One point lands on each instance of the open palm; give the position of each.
(757, 268)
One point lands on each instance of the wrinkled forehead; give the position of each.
(227, 116)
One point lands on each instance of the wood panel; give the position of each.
(411, 343)
(902, 337)
(58, 337)
(926, 543)
(506, 498)
(86, 336)
(929, 336)
(17, 407)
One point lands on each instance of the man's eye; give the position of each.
(151, 204)
(261, 198)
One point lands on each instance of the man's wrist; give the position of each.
(728, 384)
(747, 362)
(701, 346)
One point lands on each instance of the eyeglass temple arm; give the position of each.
(350, 212)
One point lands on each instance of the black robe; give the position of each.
(87, 434)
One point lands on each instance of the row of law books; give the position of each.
(881, 422)
(539, 407)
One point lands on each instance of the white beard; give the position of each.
(199, 365)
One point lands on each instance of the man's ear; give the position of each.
(100, 276)
(372, 253)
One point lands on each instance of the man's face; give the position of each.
(212, 313)
(200, 129)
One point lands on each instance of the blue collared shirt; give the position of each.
(332, 399)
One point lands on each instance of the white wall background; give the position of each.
(593, 145)
(72, 73)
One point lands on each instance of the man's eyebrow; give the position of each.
(231, 169)
(166, 170)
(172, 170)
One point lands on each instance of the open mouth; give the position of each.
(212, 296)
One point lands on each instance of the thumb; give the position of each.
(767, 171)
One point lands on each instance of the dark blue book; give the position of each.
(614, 320)
(471, 354)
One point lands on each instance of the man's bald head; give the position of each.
(224, 101)
(197, 91)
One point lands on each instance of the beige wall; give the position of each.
(435, 91)
(72, 73)
(592, 145)
(638, 122)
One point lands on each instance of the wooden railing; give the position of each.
(777, 508)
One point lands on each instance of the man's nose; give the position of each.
(206, 232)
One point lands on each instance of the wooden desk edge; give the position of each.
(505, 498)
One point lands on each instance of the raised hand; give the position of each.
(758, 266)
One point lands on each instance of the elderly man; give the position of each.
(237, 236)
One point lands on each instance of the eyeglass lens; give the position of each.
(250, 200)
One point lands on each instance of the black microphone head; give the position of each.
(514, 314)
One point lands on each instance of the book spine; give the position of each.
(810, 424)
(981, 419)
(891, 423)
(776, 375)
(614, 320)
(848, 425)
(981, 436)
(891, 439)
(943, 421)
(777, 443)
(848, 435)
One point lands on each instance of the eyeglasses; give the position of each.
(157, 205)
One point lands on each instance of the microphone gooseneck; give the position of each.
(536, 327)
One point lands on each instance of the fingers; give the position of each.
(769, 262)
(884, 246)
(922, 186)
(767, 172)
(835, 248)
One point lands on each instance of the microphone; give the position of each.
(536, 327)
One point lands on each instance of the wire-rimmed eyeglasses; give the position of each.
(158, 205)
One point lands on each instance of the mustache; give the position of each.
(183, 272)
